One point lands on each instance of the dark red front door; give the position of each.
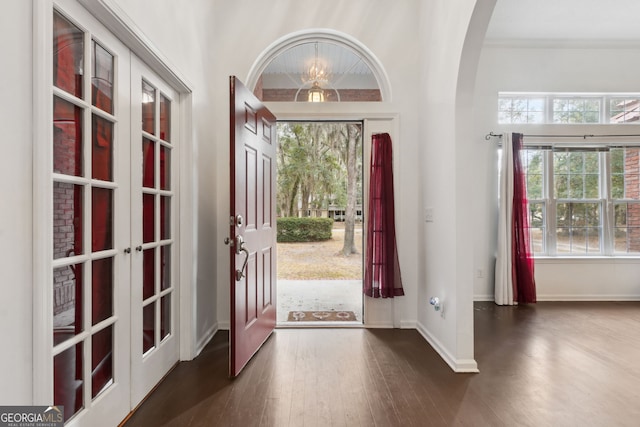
(252, 225)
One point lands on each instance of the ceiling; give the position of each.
(591, 21)
(567, 20)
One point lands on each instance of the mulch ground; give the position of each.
(320, 260)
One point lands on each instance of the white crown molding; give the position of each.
(560, 44)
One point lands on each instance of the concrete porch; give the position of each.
(318, 295)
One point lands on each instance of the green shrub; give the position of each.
(304, 229)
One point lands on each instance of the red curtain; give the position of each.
(524, 284)
(382, 268)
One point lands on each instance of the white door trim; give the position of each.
(378, 312)
(42, 203)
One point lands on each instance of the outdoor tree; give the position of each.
(308, 168)
(351, 137)
(319, 165)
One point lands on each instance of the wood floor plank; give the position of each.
(560, 364)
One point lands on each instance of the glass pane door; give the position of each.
(90, 333)
(155, 345)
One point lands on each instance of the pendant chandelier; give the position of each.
(316, 93)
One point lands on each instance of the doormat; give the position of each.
(321, 316)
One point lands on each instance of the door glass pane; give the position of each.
(67, 380)
(68, 48)
(148, 273)
(148, 217)
(148, 327)
(165, 217)
(102, 149)
(148, 163)
(101, 219)
(165, 168)
(148, 108)
(165, 267)
(67, 220)
(102, 78)
(102, 290)
(67, 138)
(165, 316)
(101, 360)
(67, 302)
(165, 118)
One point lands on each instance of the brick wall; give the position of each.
(67, 208)
(346, 95)
(632, 190)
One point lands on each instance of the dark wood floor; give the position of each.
(551, 364)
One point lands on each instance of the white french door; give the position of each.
(90, 219)
(154, 302)
(113, 329)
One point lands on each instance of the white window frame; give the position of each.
(605, 199)
(548, 97)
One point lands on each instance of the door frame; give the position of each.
(366, 144)
(377, 118)
(111, 16)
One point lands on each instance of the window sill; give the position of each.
(587, 259)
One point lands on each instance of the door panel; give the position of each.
(91, 341)
(253, 232)
(154, 333)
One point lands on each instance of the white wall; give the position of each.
(551, 68)
(446, 269)
(206, 41)
(16, 171)
(388, 29)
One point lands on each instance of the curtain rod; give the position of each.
(499, 135)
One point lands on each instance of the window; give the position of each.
(583, 201)
(576, 110)
(556, 108)
(521, 109)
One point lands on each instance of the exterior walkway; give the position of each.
(318, 295)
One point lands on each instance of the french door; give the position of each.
(113, 156)
(91, 207)
(154, 342)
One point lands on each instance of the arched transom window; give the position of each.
(318, 69)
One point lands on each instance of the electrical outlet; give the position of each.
(480, 273)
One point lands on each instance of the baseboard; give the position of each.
(378, 325)
(224, 326)
(588, 297)
(408, 324)
(490, 298)
(458, 366)
(202, 342)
